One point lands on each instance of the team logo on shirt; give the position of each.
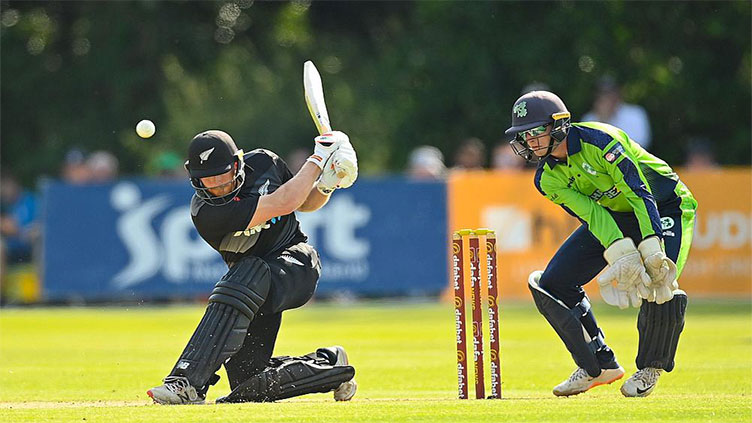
(264, 189)
(520, 109)
(614, 153)
(667, 223)
(589, 169)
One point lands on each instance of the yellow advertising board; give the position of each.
(530, 228)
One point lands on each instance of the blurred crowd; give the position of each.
(427, 162)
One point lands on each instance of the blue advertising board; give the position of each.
(134, 239)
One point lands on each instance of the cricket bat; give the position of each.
(314, 97)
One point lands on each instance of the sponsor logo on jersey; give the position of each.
(614, 153)
(613, 192)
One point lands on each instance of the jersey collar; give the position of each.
(574, 143)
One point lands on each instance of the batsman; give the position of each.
(244, 207)
(637, 221)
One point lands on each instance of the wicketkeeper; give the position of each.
(244, 207)
(637, 219)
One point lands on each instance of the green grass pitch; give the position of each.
(95, 364)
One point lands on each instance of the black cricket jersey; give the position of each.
(225, 227)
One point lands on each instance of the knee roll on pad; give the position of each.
(566, 322)
(659, 326)
(289, 377)
(244, 287)
(233, 304)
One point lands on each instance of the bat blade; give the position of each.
(314, 97)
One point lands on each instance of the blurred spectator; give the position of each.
(75, 170)
(503, 157)
(426, 163)
(18, 221)
(296, 159)
(103, 166)
(471, 154)
(168, 165)
(700, 155)
(609, 108)
(535, 86)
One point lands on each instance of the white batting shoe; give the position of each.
(642, 383)
(346, 390)
(580, 381)
(175, 390)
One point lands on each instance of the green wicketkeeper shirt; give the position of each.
(605, 170)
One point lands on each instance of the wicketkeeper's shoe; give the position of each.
(580, 381)
(175, 390)
(642, 383)
(346, 390)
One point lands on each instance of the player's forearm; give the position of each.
(294, 193)
(599, 221)
(315, 201)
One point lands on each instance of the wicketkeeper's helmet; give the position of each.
(531, 114)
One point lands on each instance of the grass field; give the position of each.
(95, 364)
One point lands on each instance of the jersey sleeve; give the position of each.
(284, 170)
(621, 165)
(214, 222)
(597, 219)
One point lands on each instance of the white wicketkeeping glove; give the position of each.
(661, 269)
(620, 282)
(326, 145)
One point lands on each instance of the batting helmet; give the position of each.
(213, 153)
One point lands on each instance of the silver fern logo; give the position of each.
(205, 155)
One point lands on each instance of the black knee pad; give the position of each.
(289, 377)
(244, 287)
(232, 306)
(567, 324)
(659, 326)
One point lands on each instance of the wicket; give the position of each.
(458, 274)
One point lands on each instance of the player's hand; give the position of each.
(328, 181)
(340, 171)
(345, 164)
(325, 145)
(622, 279)
(615, 296)
(661, 269)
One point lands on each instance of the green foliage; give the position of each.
(396, 75)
